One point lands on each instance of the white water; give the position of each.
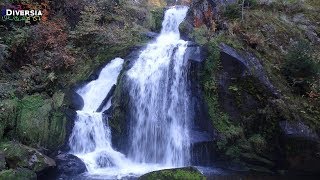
(160, 113)
(159, 130)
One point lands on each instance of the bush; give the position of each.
(233, 11)
(49, 48)
(300, 68)
(201, 35)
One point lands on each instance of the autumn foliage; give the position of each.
(49, 45)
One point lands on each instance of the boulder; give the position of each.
(239, 64)
(174, 174)
(40, 121)
(21, 156)
(8, 114)
(69, 165)
(302, 147)
(18, 174)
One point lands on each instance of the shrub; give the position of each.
(49, 48)
(258, 143)
(233, 11)
(201, 35)
(300, 68)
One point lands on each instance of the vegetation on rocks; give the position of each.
(18, 174)
(174, 174)
(283, 35)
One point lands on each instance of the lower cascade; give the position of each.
(160, 112)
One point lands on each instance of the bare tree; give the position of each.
(242, 10)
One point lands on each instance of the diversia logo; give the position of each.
(10, 12)
(25, 12)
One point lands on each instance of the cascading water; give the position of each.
(160, 113)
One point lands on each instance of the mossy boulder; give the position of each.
(18, 174)
(21, 156)
(174, 174)
(8, 116)
(41, 122)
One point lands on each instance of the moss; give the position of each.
(40, 121)
(8, 115)
(174, 174)
(15, 155)
(32, 125)
(18, 174)
(155, 19)
(57, 130)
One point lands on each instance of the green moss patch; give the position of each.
(174, 174)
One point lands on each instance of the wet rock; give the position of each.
(104, 160)
(74, 100)
(120, 117)
(18, 174)
(195, 52)
(21, 156)
(204, 153)
(107, 98)
(69, 165)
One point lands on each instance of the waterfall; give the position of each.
(159, 128)
(161, 112)
(91, 136)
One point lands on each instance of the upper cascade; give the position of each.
(161, 112)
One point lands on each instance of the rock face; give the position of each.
(74, 100)
(21, 156)
(174, 174)
(34, 120)
(243, 88)
(302, 147)
(238, 65)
